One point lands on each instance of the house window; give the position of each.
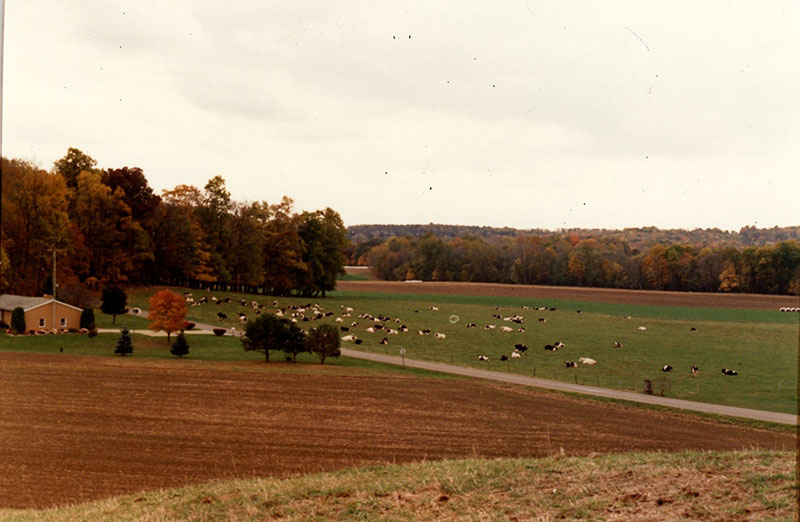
(41, 322)
(63, 322)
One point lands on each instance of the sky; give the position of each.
(525, 114)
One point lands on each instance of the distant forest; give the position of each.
(108, 227)
(751, 260)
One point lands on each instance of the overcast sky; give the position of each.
(527, 114)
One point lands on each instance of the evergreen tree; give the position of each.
(87, 318)
(181, 347)
(18, 320)
(124, 343)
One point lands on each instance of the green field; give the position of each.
(760, 345)
(688, 485)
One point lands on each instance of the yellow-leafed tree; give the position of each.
(167, 312)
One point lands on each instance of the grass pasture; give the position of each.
(686, 485)
(760, 345)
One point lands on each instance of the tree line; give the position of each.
(604, 261)
(109, 228)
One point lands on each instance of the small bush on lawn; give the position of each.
(219, 332)
(188, 325)
(181, 347)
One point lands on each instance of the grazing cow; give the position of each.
(371, 329)
(358, 341)
(404, 329)
(504, 357)
(726, 371)
(587, 360)
(385, 341)
(579, 311)
(626, 316)
(339, 320)
(520, 347)
(434, 308)
(392, 331)
(221, 315)
(692, 329)
(559, 344)
(666, 368)
(570, 364)
(506, 329)
(439, 335)
(694, 370)
(542, 320)
(552, 309)
(483, 358)
(489, 327)
(424, 332)
(550, 347)
(136, 311)
(642, 328)
(344, 328)
(242, 319)
(348, 338)
(521, 330)
(515, 355)
(354, 324)
(617, 344)
(242, 302)
(471, 325)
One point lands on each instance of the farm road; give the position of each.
(717, 409)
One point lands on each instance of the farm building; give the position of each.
(41, 313)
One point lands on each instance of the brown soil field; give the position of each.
(77, 428)
(600, 295)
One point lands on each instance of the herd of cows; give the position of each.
(388, 326)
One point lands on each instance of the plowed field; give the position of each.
(75, 428)
(602, 295)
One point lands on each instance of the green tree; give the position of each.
(71, 165)
(181, 347)
(114, 300)
(18, 320)
(324, 237)
(124, 343)
(324, 341)
(87, 318)
(269, 332)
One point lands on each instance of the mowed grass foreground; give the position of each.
(742, 485)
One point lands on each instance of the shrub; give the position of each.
(18, 320)
(92, 333)
(188, 325)
(219, 332)
(87, 318)
(324, 341)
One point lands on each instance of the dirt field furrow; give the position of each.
(76, 428)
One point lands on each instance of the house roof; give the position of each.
(9, 302)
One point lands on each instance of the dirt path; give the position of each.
(74, 428)
(769, 416)
(602, 295)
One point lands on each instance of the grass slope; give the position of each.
(647, 486)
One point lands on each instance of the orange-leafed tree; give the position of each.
(167, 312)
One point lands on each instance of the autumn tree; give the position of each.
(324, 341)
(269, 332)
(117, 244)
(35, 222)
(114, 300)
(167, 312)
(728, 279)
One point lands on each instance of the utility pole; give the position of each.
(54, 288)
